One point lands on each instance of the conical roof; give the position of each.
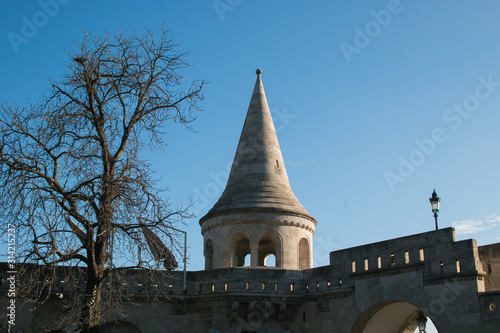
(258, 181)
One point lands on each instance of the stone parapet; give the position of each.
(436, 252)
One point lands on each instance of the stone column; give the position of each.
(254, 255)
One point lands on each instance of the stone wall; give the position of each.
(378, 287)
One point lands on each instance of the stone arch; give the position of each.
(269, 244)
(304, 254)
(388, 317)
(119, 326)
(209, 254)
(240, 247)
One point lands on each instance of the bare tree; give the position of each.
(73, 177)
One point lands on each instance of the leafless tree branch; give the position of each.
(72, 177)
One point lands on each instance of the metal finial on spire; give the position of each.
(258, 71)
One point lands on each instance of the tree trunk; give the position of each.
(91, 308)
(90, 315)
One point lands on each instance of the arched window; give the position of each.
(240, 247)
(209, 254)
(247, 261)
(304, 254)
(270, 261)
(269, 245)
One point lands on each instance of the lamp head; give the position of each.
(434, 200)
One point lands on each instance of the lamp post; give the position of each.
(434, 200)
(184, 286)
(421, 322)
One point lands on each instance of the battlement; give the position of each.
(436, 253)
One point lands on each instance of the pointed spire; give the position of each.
(258, 180)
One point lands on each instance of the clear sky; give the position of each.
(375, 103)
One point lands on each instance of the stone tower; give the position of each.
(258, 214)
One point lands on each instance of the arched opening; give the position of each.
(240, 248)
(209, 254)
(304, 254)
(247, 261)
(270, 261)
(268, 245)
(391, 317)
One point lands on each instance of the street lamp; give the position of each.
(434, 200)
(184, 282)
(421, 322)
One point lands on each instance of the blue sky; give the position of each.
(375, 103)
(364, 98)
